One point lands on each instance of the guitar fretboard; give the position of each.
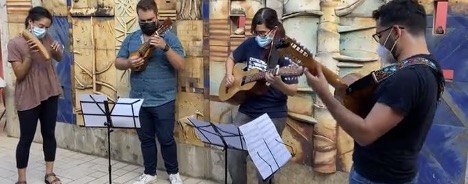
(256, 76)
(281, 71)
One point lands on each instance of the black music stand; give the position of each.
(227, 136)
(97, 114)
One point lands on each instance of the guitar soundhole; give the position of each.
(243, 80)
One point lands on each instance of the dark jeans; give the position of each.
(158, 121)
(46, 112)
(237, 163)
(356, 178)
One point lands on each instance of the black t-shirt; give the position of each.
(393, 157)
(273, 102)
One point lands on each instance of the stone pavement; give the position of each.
(72, 167)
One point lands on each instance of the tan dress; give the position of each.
(41, 82)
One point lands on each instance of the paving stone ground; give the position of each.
(73, 167)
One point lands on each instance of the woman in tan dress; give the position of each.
(36, 92)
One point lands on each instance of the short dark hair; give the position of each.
(37, 13)
(269, 17)
(146, 5)
(407, 13)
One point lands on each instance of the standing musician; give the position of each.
(157, 85)
(256, 51)
(37, 90)
(389, 139)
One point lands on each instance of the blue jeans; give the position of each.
(356, 178)
(158, 121)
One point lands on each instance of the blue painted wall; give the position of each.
(443, 159)
(60, 32)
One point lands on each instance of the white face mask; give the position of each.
(386, 56)
(39, 32)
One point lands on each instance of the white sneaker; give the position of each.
(146, 178)
(175, 178)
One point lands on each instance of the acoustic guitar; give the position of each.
(146, 49)
(250, 83)
(353, 91)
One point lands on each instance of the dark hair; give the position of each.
(407, 13)
(37, 13)
(146, 5)
(269, 18)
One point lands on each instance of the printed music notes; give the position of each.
(265, 146)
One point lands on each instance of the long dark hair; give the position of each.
(37, 13)
(269, 18)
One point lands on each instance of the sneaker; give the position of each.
(146, 178)
(175, 178)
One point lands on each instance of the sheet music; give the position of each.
(93, 114)
(265, 146)
(126, 113)
(229, 132)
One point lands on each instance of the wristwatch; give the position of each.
(166, 48)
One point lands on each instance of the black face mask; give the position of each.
(148, 28)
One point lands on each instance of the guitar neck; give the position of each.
(146, 45)
(261, 75)
(256, 76)
(332, 78)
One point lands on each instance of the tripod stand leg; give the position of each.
(109, 153)
(225, 165)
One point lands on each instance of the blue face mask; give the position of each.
(39, 32)
(263, 41)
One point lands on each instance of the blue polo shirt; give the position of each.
(157, 84)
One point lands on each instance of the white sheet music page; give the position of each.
(93, 113)
(265, 146)
(126, 113)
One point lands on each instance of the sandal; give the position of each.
(53, 181)
(20, 182)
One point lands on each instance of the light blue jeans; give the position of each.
(356, 178)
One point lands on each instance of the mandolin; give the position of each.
(353, 91)
(250, 83)
(146, 49)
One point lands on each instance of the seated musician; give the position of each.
(389, 139)
(256, 52)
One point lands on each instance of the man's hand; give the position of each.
(158, 42)
(229, 79)
(274, 80)
(135, 62)
(317, 81)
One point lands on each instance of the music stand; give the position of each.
(227, 136)
(265, 146)
(97, 114)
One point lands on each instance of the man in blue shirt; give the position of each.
(157, 85)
